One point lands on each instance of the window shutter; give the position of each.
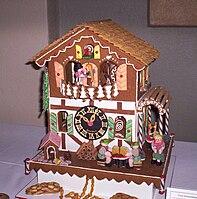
(129, 131)
(70, 124)
(78, 52)
(110, 128)
(53, 122)
(121, 77)
(59, 73)
(97, 54)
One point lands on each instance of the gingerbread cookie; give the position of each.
(122, 196)
(4, 196)
(43, 188)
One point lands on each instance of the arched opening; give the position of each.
(107, 73)
(51, 154)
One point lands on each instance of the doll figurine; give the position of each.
(158, 146)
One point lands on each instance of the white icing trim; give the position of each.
(104, 171)
(57, 47)
(78, 41)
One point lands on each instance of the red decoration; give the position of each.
(78, 52)
(58, 74)
(110, 129)
(137, 67)
(120, 56)
(42, 62)
(69, 124)
(121, 76)
(96, 52)
(52, 124)
(128, 131)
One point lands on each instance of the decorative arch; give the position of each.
(157, 98)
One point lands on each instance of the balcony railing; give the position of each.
(89, 92)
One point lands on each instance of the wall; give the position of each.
(175, 69)
(23, 33)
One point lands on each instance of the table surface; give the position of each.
(18, 142)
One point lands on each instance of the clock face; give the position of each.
(90, 122)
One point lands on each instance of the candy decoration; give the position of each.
(167, 122)
(108, 91)
(68, 90)
(162, 185)
(70, 124)
(83, 94)
(45, 105)
(27, 163)
(149, 114)
(110, 128)
(160, 124)
(59, 73)
(100, 92)
(97, 54)
(140, 130)
(129, 131)
(91, 92)
(75, 91)
(78, 52)
(115, 90)
(53, 122)
(62, 87)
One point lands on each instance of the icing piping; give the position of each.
(83, 168)
(77, 41)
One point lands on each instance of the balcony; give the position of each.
(89, 92)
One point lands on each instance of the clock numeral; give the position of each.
(83, 112)
(101, 131)
(91, 136)
(84, 133)
(77, 121)
(102, 117)
(96, 135)
(104, 124)
(79, 127)
(91, 110)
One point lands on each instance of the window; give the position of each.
(62, 121)
(108, 73)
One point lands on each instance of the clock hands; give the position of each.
(85, 119)
(92, 118)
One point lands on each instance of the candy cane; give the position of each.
(167, 122)
(160, 124)
(27, 169)
(140, 130)
(149, 114)
(162, 184)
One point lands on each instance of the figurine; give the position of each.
(108, 160)
(102, 149)
(136, 156)
(158, 146)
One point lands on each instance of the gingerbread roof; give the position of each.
(115, 35)
(52, 137)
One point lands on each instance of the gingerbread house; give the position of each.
(96, 87)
